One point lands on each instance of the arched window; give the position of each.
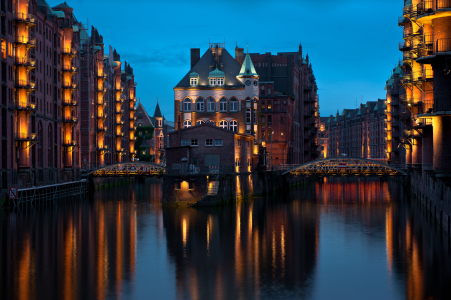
(187, 104)
(223, 124)
(233, 104)
(161, 145)
(269, 91)
(200, 104)
(210, 104)
(187, 124)
(233, 126)
(211, 122)
(223, 105)
(200, 122)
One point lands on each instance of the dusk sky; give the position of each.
(352, 44)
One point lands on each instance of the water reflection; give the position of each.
(334, 239)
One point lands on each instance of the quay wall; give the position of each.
(433, 195)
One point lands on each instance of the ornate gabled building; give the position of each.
(222, 91)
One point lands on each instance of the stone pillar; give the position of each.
(442, 145)
(428, 149)
(417, 152)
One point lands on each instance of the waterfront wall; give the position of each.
(434, 195)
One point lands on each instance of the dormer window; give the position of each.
(194, 78)
(220, 81)
(193, 81)
(216, 78)
(213, 81)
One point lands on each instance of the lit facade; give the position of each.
(49, 108)
(426, 51)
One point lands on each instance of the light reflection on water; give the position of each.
(334, 239)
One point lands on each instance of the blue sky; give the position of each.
(352, 44)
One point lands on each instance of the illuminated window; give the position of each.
(233, 104)
(223, 124)
(193, 81)
(187, 124)
(212, 81)
(200, 104)
(220, 81)
(269, 106)
(210, 104)
(187, 104)
(209, 142)
(200, 122)
(263, 135)
(223, 105)
(233, 126)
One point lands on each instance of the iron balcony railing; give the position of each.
(70, 103)
(69, 68)
(423, 75)
(68, 85)
(402, 21)
(72, 120)
(26, 18)
(26, 137)
(25, 61)
(102, 129)
(24, 84)
(405, 46)
(25, 105)
(427, 106)
(23, 39)
(69, 143)
(69, 51)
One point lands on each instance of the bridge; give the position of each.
(128, 169)
(340, 166)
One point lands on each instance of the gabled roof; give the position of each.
(206, 64)
(144, 144)
(62, 5)
(248, 69)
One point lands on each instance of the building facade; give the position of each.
(43, 63)
(221, 91)
(289, 106)
(426, 53)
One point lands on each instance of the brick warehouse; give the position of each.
(289, 106)
(44, 60)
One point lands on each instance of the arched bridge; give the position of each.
(128, 169)
(340, 166)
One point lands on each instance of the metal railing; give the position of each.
(27, 84)
(443, 45)
(22, 39)
(24, 61)
(28, 18)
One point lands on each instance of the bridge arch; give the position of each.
(128, 169)
(344, 166)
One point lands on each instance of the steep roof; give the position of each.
(206, 64)
(248, 69)
(62, 5)
(157, 113)
(144, 144)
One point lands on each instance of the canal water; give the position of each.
(333, 239)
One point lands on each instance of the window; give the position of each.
(193, 81)
(200, 122)
(233, 126)
(263, 107)
(247, 144)
(223, 124)
(263, 135)
(239, 143)
(220, 81)
(210, 104)
(185, 142)
(161, 145)
(209, 142)
(269, 106)
(200, 104)
(187, 124)
(263, 121)
(262, 90)
(269, 120)
(212, 81)
(218, 142)
(187, 104)
(269, 91)
(194, 143)
(269, 135)
(248, 116)
(233, 104)
(223, 105)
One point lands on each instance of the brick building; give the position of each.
(206, 145)
(222, 91)
(162, 128)
(359, 132)
(41, 99)
(323, 138)
(289, 106)
(426, 63)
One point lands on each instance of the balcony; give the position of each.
(69, 143)
(28, 19)
(69, 85)
(102, 116)
(121, 123)
(132, 108)
(30, 137)
(101, 89)
(405, 46)
(132, 118)
(101, 103)
(120, 100)
(25, 61)
(423, 75)
(102, 129)
(70, 120)
(25, 40)
(406, 79)
(69, 51)
(26, 106)
(403, 21)
(102, 148)
(120, 112)
(71, 103)
(69, 69)
(24, 84)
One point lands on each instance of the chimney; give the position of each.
(195, 56)
(239, 55)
